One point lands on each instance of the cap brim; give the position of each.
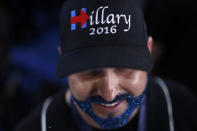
(121, 56)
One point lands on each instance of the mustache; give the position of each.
(100, 100)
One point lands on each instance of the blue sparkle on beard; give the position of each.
(113, 122)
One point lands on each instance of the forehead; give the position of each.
(107, 69)
(98, 72)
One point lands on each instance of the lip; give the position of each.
(108, 108)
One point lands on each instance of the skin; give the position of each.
(107, 83)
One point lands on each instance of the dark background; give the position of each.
(29, 38)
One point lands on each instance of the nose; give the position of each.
(107, 86)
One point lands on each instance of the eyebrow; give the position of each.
(96, 69)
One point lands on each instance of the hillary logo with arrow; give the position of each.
(100, 21)
(82, 18)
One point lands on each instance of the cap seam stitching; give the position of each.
(83, 47)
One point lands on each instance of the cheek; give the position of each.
(80, 90)
(135, 85)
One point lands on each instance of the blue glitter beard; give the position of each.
(114, 122)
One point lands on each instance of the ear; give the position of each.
(150, 44)
(59, 50)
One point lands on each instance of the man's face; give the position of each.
(107, 83)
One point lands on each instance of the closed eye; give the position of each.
(91, 74)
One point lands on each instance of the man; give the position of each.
(106, 56)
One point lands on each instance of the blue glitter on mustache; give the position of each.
(114, 122)
(100, 100)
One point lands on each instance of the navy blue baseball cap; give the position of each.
(102, 33)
